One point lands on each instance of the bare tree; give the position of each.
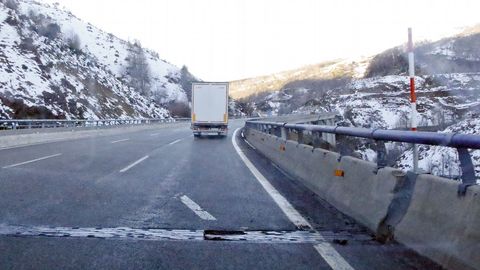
(138, 70)
(74, 42)
(403, 121)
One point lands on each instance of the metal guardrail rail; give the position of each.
(14, 124)
(462, 142)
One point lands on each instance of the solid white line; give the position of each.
(30, 161)
(253, 147)
(174, 142)
(133, 164)
(328, 253)
(124, 140)
(154, 134)
(286, 207)
(196, 208)
(332, 257)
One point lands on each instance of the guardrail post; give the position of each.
(316, 139)
(468, 171)
(271, 130)
(29, 125)
(381, 155)
(283, 132)
(300, 136)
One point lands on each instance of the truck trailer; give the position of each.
(210, 108)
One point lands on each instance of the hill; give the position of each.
(54, 65)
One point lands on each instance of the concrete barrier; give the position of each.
(8, 140)
(441, 225)
(359, 192)
(426, 216)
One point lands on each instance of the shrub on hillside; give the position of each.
(390, 62)
(74, 42)
(44, 26)
(179, 109)
(11, 4)
(51, 31)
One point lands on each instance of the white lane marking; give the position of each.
(117, 141)
(286, 207)
(196, 208)
(328, 253)
(332, 257)
(174, 142)
(154, 134)
(253, 147)
(133, 164)
(30, 161)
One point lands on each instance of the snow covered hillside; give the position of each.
(54, 65)
(324, 71)
(448, 90)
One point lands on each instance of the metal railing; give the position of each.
(15, 124)
(462, 142)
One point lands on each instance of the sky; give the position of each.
(225, 40)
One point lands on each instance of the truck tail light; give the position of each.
(193, 117)
(225, 117)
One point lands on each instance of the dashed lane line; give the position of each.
(31, 161)
(118, 141)
(133, 164)
(196, 208)
(174, 142)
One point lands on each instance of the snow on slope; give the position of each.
(384, 102)
(42, 77)
(444, 160)
(110, 50)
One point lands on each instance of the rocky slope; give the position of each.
(448, 88)
(54, 65)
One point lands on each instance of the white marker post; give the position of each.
(413, 97)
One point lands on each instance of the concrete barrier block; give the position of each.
(267, 144)
(290, 157)
(304, 162)
(361, 193)
(322, 166)
(441, 225)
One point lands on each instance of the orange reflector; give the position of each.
(339, 173)
(193, 117)
(225, 117)
(282, 148)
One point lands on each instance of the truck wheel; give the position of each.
(196, 135)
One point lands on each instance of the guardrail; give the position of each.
(15, 124)
(462, 142)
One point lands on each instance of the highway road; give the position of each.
(162, 199)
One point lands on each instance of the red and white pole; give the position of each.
(413, 96)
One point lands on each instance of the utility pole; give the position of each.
(413, 97)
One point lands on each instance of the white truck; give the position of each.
(209, 108)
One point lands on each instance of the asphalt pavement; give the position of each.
(163, 199)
